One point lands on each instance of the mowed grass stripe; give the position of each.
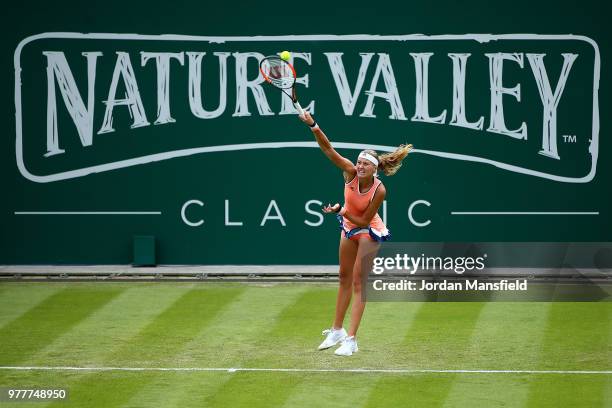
(440, 333)
(332, 391)
(582, 391)
(94, 339)
(490, 391)
(230, 340)
(290, 342)
(419, 390)
(49, 319)
(382, 330)
(17, 298)
(436, 339)
(577, 336)
(163, 338)
(380, 337)
(242, 328)
(113, 389)
(254, 390)
(507, 335)
(286, 341)
(178, 389)
(155, 344)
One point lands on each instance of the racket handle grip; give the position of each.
(299, 108)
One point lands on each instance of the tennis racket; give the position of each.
(282, 75)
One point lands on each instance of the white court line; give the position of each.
(304, 370)
(87, 212)
(524, 212)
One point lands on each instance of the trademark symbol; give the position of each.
(569, 138)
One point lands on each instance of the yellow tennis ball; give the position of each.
(285, 55)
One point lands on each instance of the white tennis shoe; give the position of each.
(348, 347)
(334, 336)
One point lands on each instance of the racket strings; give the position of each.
(278, 73)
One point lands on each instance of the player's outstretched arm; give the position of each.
(341, 162)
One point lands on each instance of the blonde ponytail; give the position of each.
(390, 163)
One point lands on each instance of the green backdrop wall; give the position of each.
(170, 133)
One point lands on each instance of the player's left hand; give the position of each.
(331, 208)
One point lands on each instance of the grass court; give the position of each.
(203, 332)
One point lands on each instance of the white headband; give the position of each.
(369, 157)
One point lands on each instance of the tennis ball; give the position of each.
(285, 55)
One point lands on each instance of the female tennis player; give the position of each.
(362, 229)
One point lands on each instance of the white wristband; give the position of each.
(342, 211)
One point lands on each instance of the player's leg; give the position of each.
(366, 252)
(347, 254)
(365, 255)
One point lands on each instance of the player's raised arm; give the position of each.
(341, 162)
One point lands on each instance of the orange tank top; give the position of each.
(356, 203)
